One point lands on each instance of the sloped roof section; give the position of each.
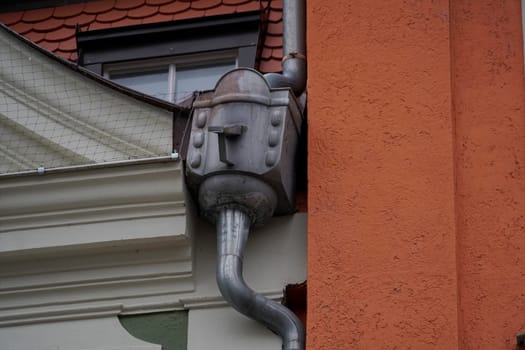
(54, 28)
(54, 116)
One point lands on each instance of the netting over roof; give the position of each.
(53, 116)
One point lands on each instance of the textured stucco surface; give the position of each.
(488, 102)
(382, 248)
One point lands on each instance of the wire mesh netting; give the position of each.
(53, 116)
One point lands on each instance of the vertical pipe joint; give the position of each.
(294, 49)
(233, 227)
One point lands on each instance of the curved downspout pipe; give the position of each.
(233, 227)
(294, 49)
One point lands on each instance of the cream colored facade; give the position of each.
(106, 227)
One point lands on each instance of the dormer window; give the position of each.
(173, 79)
(171, 60)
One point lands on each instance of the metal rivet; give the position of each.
(271, 157)
(276, 118)
(198, 139)
(196, 160)
(201, 120)
(273, 138)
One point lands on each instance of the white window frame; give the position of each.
(172, 62)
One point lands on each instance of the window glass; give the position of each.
(152, 82)
(203, 76)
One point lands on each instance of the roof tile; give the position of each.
(249, 6)
(277, 53)
(50, 45)
(143, 11)
(81, 20)
(159, 17)
(205, 4)
(124, 22)
(96, 7)
(275, 16)
(273, 41)
(266, 53)
(275, 28)
(68, 10)
(111, 16)
(174, 7)
(60, 34)
(11, 18)
(54, 28)
(97, 25)
(63, 54)
(270, 66)
(48, 25)
(37, 15)
(157, 2)
(235, 2)
(35, 37)
(127, 4)
(68, 45)
(220, 10)
(190, 13)
(276, 4)
(22, 27)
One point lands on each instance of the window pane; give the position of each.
(152, 82)
(191, 78)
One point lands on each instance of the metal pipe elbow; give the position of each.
(233, 229)
(293, 76)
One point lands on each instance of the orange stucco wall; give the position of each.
(416, 174)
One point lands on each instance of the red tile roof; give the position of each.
(54, 28)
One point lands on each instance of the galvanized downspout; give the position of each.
(249, 175)
(233, 227)
(294, 49)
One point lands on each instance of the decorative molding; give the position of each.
(73, 242)
(104, 207)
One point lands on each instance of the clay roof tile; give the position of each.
(235, 2)
(111, 16)
(81, 20)
(96, 7)
(60, 34)
(249, 6)
(159, 17)
(276, 4)
(68, 10)
(157, 2)
(98, 25)
(275, 28)
(275, 16)
(270, 66)
(49, 45)
(22, 27)
(174, 7)
(273, 41)
(143, 11)
(48, 25)
(205, 4)
(68, 45)
(128, 4)
(11, 18)
(220, 10)
(37, 15)
(35, 37)
(190, 13)
(125, 22)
